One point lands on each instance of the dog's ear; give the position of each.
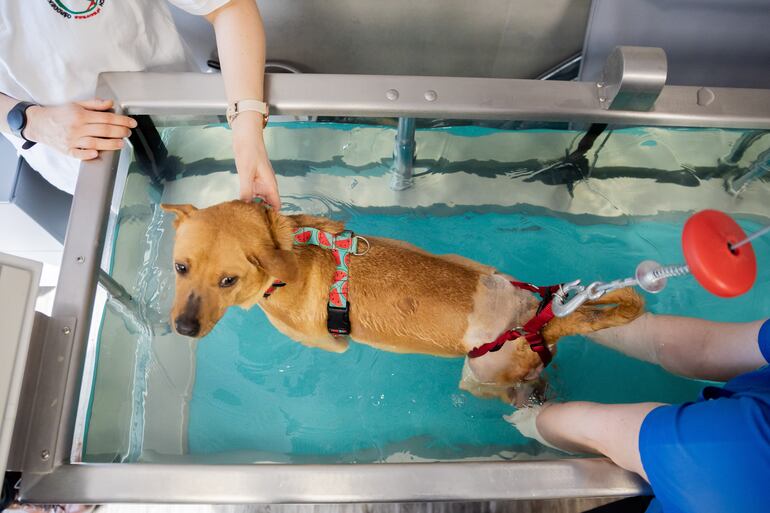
(182, 211)
(281, 229)
(279, 263)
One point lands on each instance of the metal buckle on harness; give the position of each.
(338, 320)
(359, 240)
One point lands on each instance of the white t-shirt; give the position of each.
(52, 51)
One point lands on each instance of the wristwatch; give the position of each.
(243, 105)
(17, 122)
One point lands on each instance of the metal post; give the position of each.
(744, 142)
(757, 170)
(403, 155)
(113, 288)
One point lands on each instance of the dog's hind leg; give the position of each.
(500, 373)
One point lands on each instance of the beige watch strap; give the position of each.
(247, 105)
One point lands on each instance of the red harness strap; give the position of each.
(532, 331)
(272, 288)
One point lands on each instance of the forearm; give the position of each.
(689, 347)
(608, 429)
(241, 45)
(6, 104)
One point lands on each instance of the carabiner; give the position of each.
(562, 308)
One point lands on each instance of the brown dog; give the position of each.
(403, 299)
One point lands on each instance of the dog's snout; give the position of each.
(187, 326)
(187, 322)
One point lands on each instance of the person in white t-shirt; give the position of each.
(52, 51)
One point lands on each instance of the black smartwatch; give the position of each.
(17, 122)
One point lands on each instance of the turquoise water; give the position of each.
(246, 393)
(260, 395)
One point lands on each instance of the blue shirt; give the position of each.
(713, 455)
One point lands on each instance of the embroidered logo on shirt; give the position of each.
(77, 9)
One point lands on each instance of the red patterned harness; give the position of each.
(532, 331)
(341, 246)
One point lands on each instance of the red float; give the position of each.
(706, 241)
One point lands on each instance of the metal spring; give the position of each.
(670, 271)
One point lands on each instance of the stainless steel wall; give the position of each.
(486, 38)
(707, 42)
(483, 38)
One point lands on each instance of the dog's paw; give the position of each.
(528, 393)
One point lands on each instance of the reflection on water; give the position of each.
(530, 203)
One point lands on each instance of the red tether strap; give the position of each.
(532, 331)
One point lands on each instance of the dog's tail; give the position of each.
(615, 308)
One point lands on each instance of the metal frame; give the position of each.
(443, 97)
(48, 477)
(633, 77)
(387, 482)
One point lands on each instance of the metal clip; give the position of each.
(562, 308)
(560, 304)
(650, 276)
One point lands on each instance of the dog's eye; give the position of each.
(228, 281)
(180, 268)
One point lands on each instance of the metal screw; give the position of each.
(391, 94)
(44, 455)
(599, 85)
(80, 259)
(431, 95)
(66, 330)
(602, 99)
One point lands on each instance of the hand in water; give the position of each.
(256, 175)
(525, 420)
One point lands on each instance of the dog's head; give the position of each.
(225, 255)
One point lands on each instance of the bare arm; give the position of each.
(689, 347)
(241, 42)
(608, 429)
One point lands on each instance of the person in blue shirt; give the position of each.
(709, 455)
